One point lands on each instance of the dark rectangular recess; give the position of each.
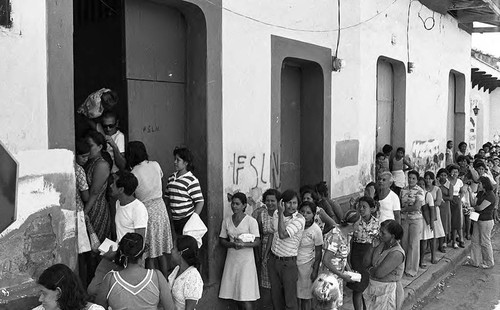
(5, 13)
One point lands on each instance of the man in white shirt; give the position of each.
(115, 139)
(131, 214)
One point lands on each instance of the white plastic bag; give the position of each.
(83, 237)
(195, 228)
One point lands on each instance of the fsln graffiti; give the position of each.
(253, 164)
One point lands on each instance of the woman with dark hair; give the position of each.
(183, 190)
(456, 206)
(437, 197)
(447, 194)
(362, 240)
(240, 234)
(331, 207)
(185, 280)
(386, 263)
(336, 249)
(264, 217)
(62, 290)
(97, 208)
(412, 199)
(321, 218)
(149, 191)
(134, 287)
(484, 204)
(308, 256)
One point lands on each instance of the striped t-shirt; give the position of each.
(294, 226)
(183, 193)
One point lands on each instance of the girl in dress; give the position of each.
(239, 279)
(308, 256)
(437, 196)
(444, 210)
(428, 224)
(336, 246)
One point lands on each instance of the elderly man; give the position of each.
(390, 206)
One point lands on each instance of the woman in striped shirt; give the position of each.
(183, 190)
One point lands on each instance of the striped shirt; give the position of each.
(183, 193)
(294, 226)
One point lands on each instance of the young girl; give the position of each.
(308, 256)
(437, 196)
(444, 210)
(429, 226)
(368, 229)
(456, 206)
(467, 206)
(239, 279)
(398, 169)
(320, 217)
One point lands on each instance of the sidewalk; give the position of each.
(419, 286)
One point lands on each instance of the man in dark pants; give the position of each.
(282, 266)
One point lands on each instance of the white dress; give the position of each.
(239, 279)
(188, 285)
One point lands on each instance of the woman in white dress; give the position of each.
(239, 279)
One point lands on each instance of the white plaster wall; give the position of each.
(247, 72)
(494, 114)
(482, 99)
(23, 87)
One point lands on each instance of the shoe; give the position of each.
(441, 249)
(423, 265)
(484, 266)
(455, 245)
(461, 244)
(434, 261)
(468, 263)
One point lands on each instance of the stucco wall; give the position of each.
(23, 121)
(481, 122)
(44, 230)
(247, 88)
(494, 115)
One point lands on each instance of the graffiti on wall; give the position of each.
(426, 155)
(472, 139)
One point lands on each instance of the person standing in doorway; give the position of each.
(282, 265)
(115, 139)
(183, 190)
(400, 164)
(387, 151)
(449, 153)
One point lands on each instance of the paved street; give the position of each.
(468, 288)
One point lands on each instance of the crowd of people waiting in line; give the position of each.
(300, 246)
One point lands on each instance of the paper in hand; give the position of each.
(104, 248)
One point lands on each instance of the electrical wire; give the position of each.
(408, 31)
(338, 25)
(299, 29)
(424, 21)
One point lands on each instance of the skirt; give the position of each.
(444, 211)
(159, 234)
(383, 295)
(304, 282)
(456, 213)
(399, 178)
(358, 251)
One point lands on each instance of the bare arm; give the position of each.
(317, 260)
(397, 216)
(282, 233)
(337, 209)
(327, 261)
(100, 177)
(190, 304)
(226, 243)
(326, 219)
(390, 262)
(165, 294)
(198, 207)
(85, 195)
(141, 231)
(101, 298)
(409, 165)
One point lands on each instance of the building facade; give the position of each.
(249, 86)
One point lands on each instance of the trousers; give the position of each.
(412, 231)
(283, 276)
(482, 250)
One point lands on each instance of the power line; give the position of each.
(299, 29)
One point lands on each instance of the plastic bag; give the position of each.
(92, 107)
(195, 228)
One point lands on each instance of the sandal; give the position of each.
(455, 245)
(441, 249)
(461, 244)
(434, 261)
(423, 265)
(469, 264)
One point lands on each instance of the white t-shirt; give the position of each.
(456, 188)
(149, 175)
(311, 238)
(130, 217)
(119, 139)
(388, 205)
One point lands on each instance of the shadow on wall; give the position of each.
(426, 155)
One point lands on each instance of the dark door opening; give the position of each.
(301, 132)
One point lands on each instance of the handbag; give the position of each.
(94, 240)
(82, 236)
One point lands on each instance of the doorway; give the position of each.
(455, 125)
(301, 131)
(391, 103)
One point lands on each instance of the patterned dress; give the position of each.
(266, 229)
(98, 214)
(338, 244)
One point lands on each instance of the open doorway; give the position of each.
(455, 126)
(154, 55)
(301, 132)
(391, 103)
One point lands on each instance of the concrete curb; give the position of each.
(425, 282)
